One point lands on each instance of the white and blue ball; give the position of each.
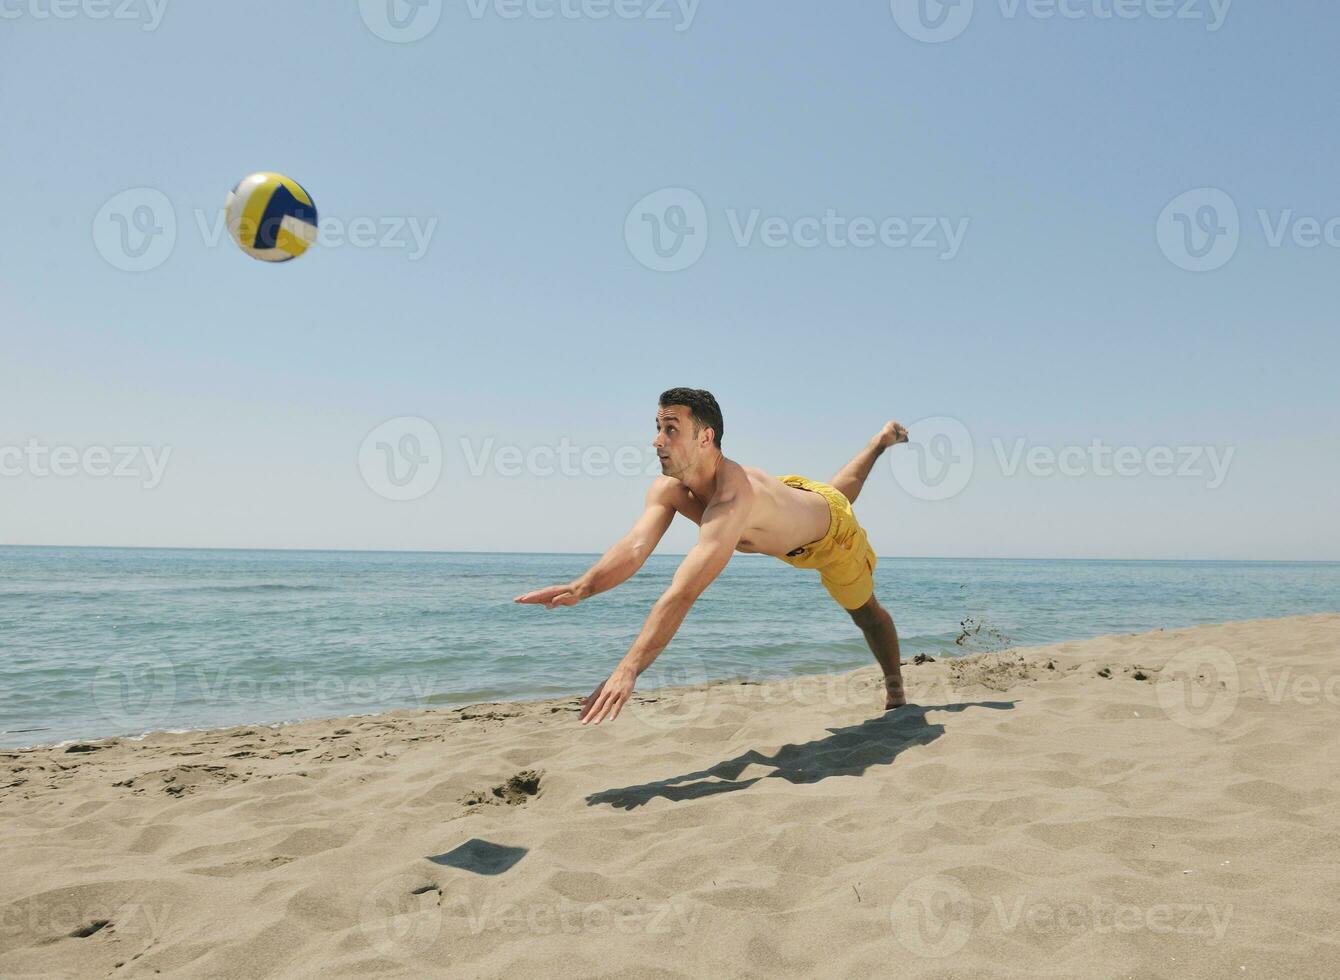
(271, 217)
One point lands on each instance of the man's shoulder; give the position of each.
(749, 478)
(667, 490)
(736, 480)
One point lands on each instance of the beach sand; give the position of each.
(1155, 805)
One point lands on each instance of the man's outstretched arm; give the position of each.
(619, 563)
(723, 524)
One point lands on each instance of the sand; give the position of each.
(1160, 805)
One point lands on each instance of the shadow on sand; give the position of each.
(843, 752)
(481, 856)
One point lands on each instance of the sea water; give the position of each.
(107, 641)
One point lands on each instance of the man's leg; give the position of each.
(851, 478)
(877, 625)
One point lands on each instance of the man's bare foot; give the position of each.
(892, 434)
(893, 693)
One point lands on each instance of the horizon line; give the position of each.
(418, 551)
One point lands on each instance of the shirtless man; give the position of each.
(738, 508)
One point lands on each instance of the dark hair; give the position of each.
(703, 407)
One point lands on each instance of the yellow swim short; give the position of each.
(843, 556)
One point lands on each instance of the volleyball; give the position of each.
(271, 217)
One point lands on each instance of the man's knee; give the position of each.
(868, 615)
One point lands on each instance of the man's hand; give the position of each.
(892, 434)
(555, 595)
(608, 697)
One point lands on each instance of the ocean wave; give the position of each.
(456, 697)
(258, 587)
(82, 595)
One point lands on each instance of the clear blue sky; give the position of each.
(530, 319)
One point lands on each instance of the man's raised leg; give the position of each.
(851, 478)
(880, 633)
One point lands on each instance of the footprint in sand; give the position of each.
(517, 790)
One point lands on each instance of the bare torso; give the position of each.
(781, 518)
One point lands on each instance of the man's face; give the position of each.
(676, 443)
